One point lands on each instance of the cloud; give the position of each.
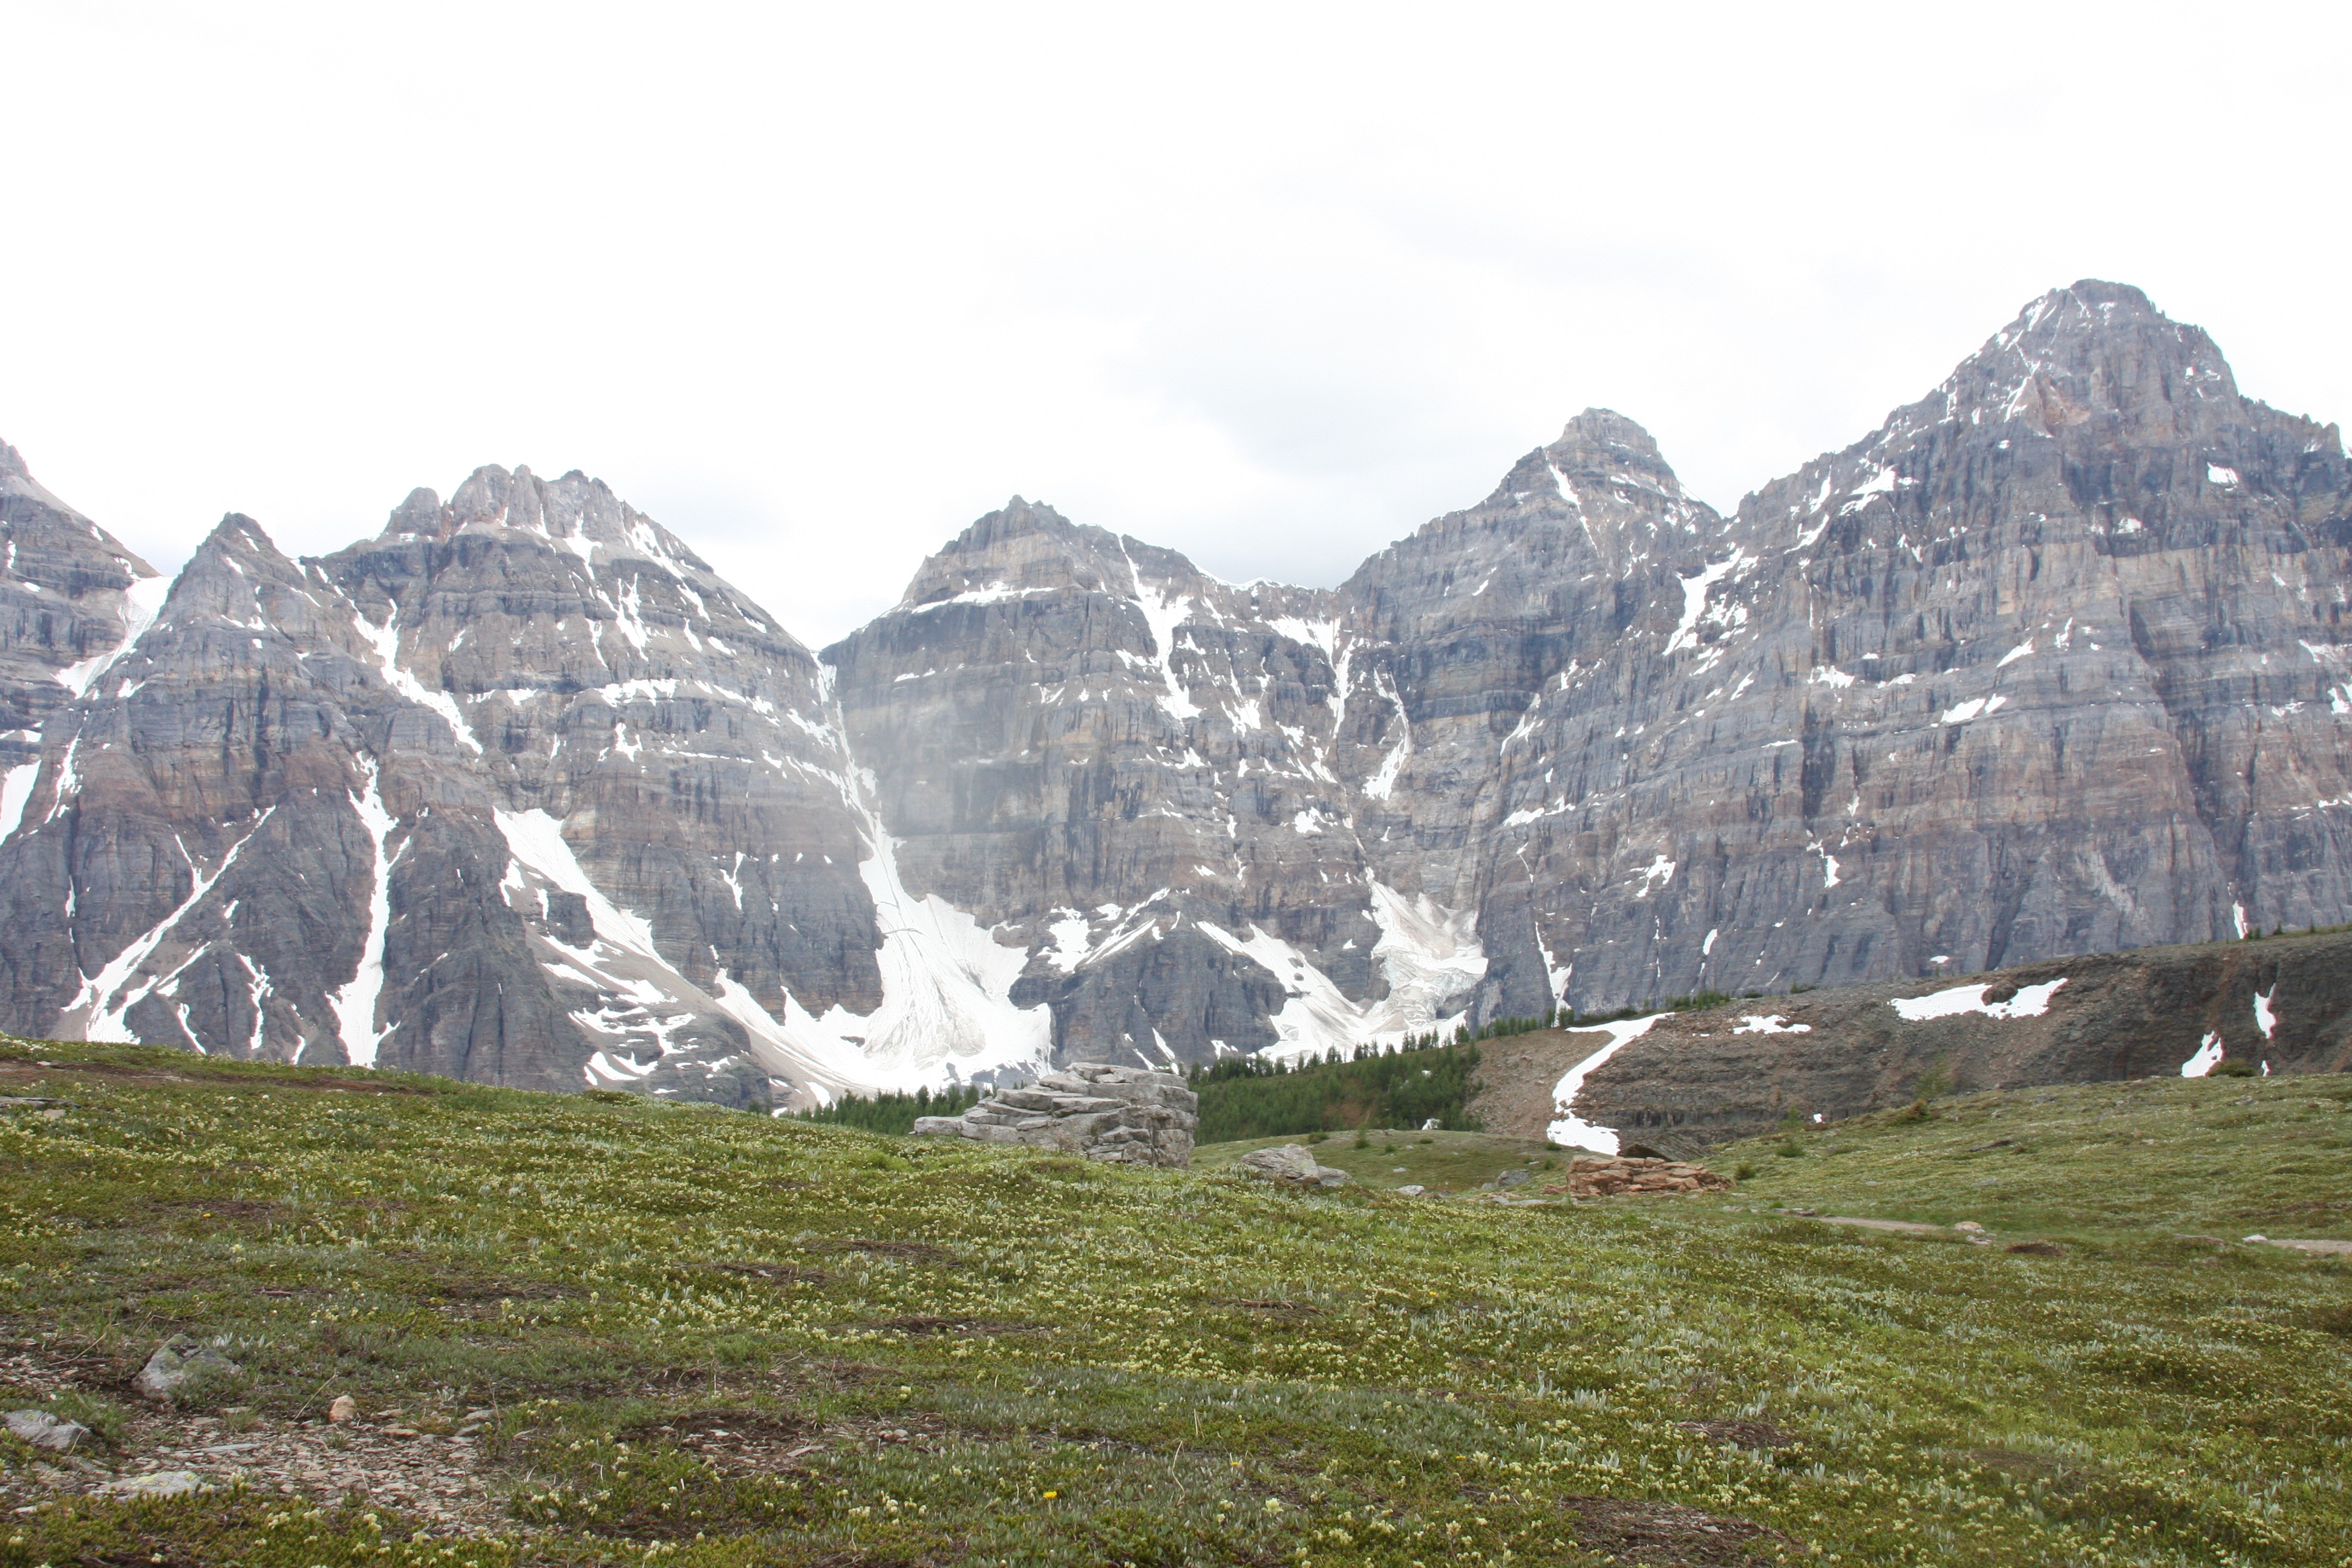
(1271, 285)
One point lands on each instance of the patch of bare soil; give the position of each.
(1668, 1535)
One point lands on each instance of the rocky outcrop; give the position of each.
(179, 1362)
(2281, 1005)
(43, 1430)
(1592, 1177)
(1125, 1116)
(1290, 1165)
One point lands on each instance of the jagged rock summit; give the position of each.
(519, 790)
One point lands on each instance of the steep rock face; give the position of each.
(210, 857)
(71, 597)
(1124, 770)
(262, 833)
(519, 790)
(1569, 587)
(658, 756)
(2048, 664)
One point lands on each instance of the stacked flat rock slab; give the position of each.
(1130, 1116)
(1592, 1176)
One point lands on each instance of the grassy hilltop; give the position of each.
(596, 1330)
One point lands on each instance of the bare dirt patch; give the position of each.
(1668, 1535)
(776, 1273)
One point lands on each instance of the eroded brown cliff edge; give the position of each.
(1733, 1071)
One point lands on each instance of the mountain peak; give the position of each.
(241, 534)
(2092, 352)
(1600, 442)
(1023, 547)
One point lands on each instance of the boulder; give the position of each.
(1590, 1176)
(1131, 1116)
(43, 1430)
(157, 1483)
(177, 1359)
(1292, 1164)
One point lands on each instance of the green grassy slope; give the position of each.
(2154, 1156)
(923, 1352)
(1441, 1162)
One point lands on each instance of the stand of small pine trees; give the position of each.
(894, 1112)
(1251, 1096)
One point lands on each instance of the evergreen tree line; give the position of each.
(1253, 1097)
(894, 1112)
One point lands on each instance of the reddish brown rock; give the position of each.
(1594, 1177)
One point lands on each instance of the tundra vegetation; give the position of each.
(678, 1336)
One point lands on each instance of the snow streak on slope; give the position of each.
(947, 1011)
(106, 996)
(15, 789)
(386, 640)
(1165, 612)
(638, 990)
(141, 603)
(2031, 1002)
(1571, 1131)
(355, 1005)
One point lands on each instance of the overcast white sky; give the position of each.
(1271, 284)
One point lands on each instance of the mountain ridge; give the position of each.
(2020, 672)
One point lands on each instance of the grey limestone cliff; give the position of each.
(519, 789)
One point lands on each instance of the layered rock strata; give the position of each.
(519, 790)
(1120, 1115)
(2281, 1005)
(1136, 776)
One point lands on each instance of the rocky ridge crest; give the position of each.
(521, 791)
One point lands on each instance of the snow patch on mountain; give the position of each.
(1571, 1131)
